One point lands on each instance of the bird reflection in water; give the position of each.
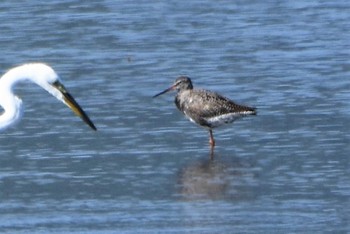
(212, 179)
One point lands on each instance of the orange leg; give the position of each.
(211, 139)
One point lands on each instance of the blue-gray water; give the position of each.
(147, 169)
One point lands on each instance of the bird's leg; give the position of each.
(211, 139)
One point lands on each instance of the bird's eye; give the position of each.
(59, 86)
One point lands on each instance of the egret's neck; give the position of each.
(39, 73)
(15, 75)
(12, 109)
(10, 104)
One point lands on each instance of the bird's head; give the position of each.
(48, 79)
(181, 83)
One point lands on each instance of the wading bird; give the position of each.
(45, 77)
(206, 108)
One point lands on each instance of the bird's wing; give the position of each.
(204, 106)
(209, 104)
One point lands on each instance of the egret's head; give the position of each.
(48, 79)
(71, 103)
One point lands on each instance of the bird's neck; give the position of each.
(10, 105)
(181, 91)
(39, 73)
(13, 76)
(12, 111)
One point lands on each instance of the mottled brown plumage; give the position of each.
(206, 108)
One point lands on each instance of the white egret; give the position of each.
(45, 77)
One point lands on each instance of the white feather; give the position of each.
(219, 120)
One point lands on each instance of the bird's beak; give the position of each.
(165, 91)
(72, 104)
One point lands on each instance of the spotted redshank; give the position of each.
(205, 108)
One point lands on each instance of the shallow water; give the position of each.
(147, 169)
